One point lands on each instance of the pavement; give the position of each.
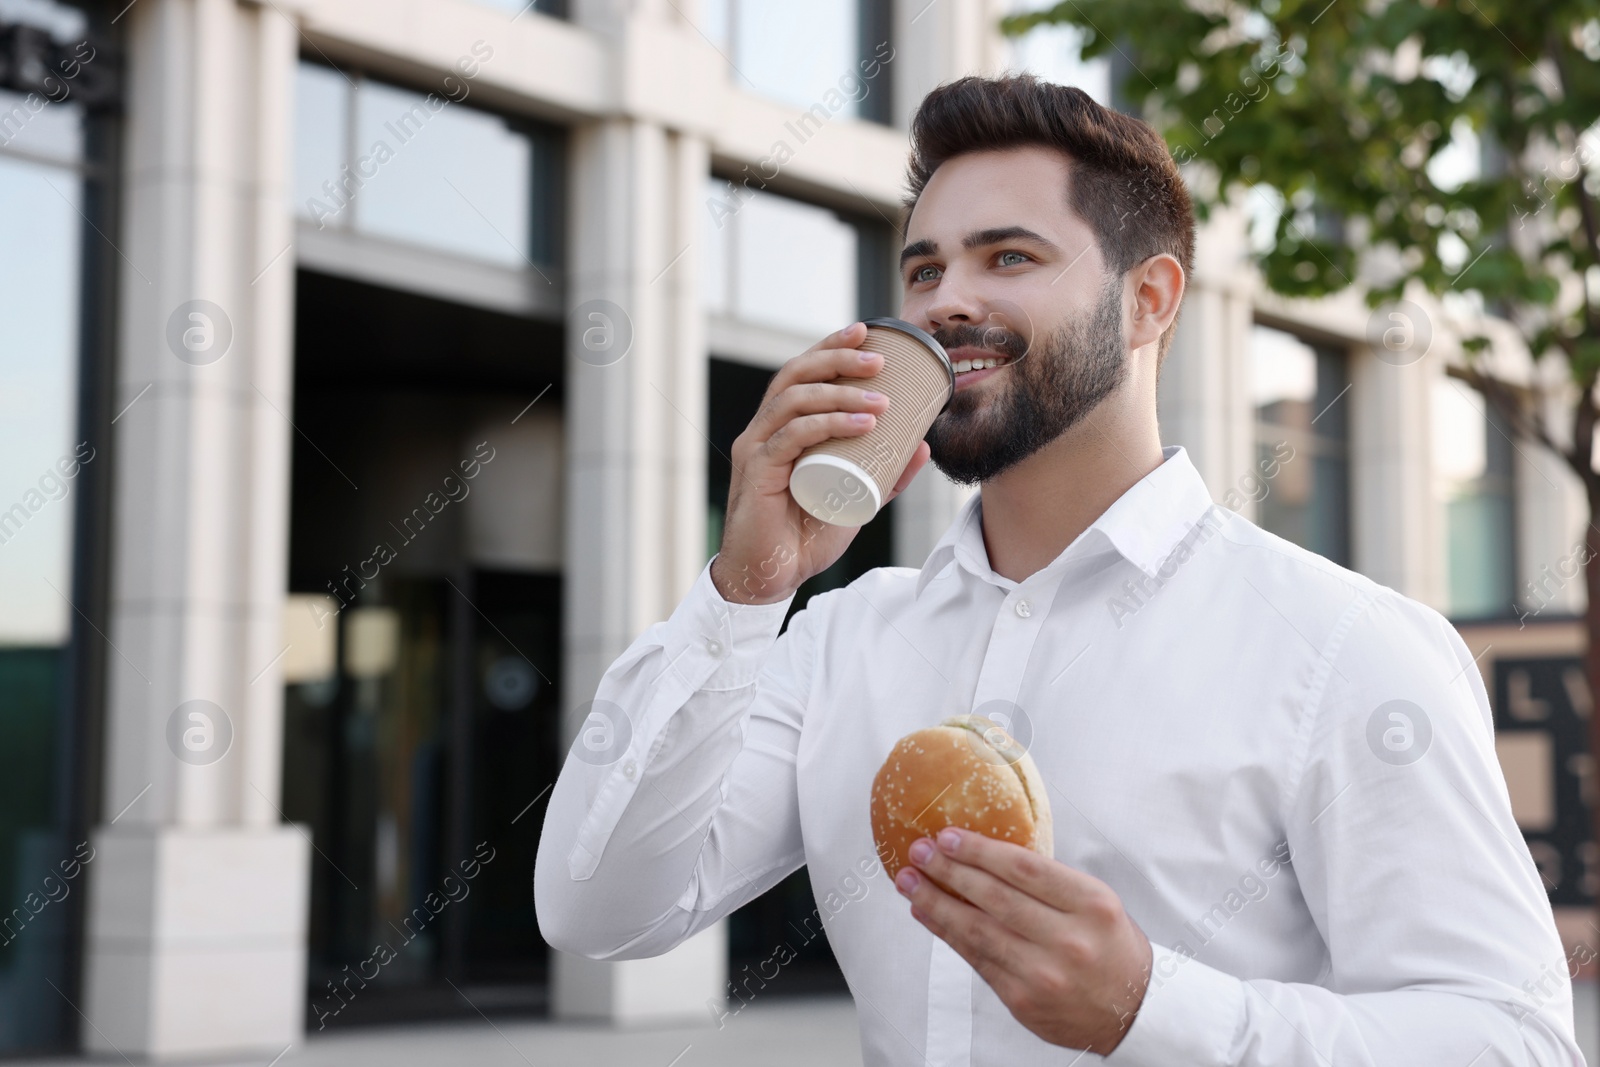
(1585, 1019)
(801, 1032)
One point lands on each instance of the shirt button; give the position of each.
(713, 646)
(630, 769)
(1023, 609)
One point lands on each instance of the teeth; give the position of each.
(964, 365)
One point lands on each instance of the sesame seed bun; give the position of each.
(966, 772)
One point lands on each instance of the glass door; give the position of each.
(425, 550)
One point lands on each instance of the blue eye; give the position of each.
(1020, 259)
(921, 273)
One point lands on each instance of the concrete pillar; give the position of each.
(1552, 514)
(635, 512)
(1394, 519)
(936, 42)
(196, 921)
(1204, 398)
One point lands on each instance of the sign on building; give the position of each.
(1542, 708)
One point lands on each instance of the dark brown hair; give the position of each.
(1124, 182)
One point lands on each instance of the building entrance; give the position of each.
(422, 729)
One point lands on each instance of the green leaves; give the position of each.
(1445, 136)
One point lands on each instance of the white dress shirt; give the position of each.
(1286, 771)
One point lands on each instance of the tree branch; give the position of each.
(1511, 402)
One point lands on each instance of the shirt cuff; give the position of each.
(730, 639)
(1190, 1014)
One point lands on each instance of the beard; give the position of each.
(1046, 394)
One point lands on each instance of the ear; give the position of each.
(1157, 288)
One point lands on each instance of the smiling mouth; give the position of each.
(975, 361)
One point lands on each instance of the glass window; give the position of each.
(30, 124)
(1472, 464)
(41, 461)
(458, 179)
(415, 167)
(62, 22)
(1302, 426)
(322, 125)
(778, 262)
(38, 395)
(839, 73)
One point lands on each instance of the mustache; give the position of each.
(997, 339)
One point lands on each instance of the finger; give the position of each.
(825, 364)
(820, 366)
(798, 434)
(844, 337)
(811, 398)
(833, 356)
(1028, 916)
(994, 950)
(1056, 884)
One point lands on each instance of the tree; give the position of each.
(1346, 114)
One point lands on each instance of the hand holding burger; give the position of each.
(966, 772)
(963, 826)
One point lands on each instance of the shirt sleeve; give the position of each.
(1441, 941)
(678, 801)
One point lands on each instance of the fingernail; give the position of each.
(861, 416)
(921, 850)
(907, 881)
(865, 357)
(949, 840)
(873, 396)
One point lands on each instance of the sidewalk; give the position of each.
(1586, 1019)
(810, 1032)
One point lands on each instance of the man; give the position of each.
(1281, 833)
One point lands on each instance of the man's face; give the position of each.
(997, 264)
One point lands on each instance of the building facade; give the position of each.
(370, 371)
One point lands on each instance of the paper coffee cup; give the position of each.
(845, 480)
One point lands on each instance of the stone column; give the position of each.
(1203, 398)
(196, 925)
(936, 42)
(1394, 522)
(1551, 518)
(636, 448)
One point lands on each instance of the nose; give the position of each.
(953, 305)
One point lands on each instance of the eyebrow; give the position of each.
(977, 239)
(923, 247)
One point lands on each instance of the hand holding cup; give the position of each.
(770, 544)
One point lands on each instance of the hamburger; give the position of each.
(967, 772)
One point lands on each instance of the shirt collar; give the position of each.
(1145, 524)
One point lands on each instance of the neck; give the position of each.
(1035, 509)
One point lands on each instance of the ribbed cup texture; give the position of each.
(917, 385)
